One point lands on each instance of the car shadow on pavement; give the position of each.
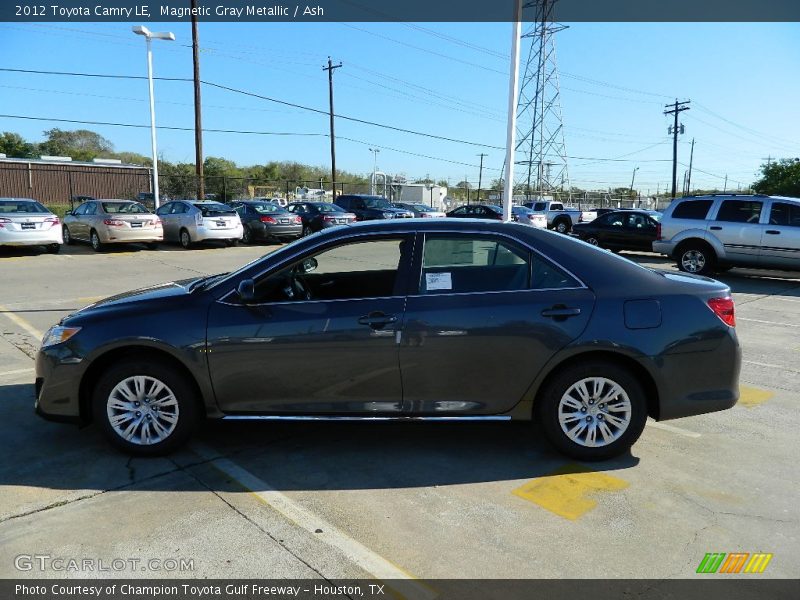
(286, 455)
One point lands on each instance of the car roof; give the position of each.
(18, 200)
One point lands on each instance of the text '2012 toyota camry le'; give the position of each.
(392, 315)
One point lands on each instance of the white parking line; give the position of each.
(21, 323)
(369, 561)
(672, 429)
(14, 372)
(768, 322)
(771, 366)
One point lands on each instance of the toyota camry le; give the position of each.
(390, 313)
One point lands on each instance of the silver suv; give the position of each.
(717, 232)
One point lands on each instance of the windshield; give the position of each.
(21, 206)
(128, 208)
(328, 208)
(213, 209)
(377, 203)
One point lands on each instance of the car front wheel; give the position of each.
(144, 408)
(593, 411)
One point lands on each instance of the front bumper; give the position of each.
(58, 375)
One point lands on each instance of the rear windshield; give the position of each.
(21, 206)
(692, 209)
(266, 208)
(494, 208)
(216, 209)
(133, 208)
(328, 208)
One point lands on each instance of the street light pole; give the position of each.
(148, 36)
(374, 169)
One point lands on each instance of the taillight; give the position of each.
(724, 309)
(198, 219)
(267, 220)
(114, 222)
(157, 223)
(298, 220)
(3, 221)
(53, 220)
(658, 231)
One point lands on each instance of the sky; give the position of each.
(444, 79)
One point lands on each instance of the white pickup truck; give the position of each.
(559, 218)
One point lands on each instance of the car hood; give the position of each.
(157, 292)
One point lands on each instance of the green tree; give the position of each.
(14, 145)
(80, 144)
(781, 178)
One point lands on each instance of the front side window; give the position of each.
(740, 211)
(363, 269)
(165, 209)
(692, 209)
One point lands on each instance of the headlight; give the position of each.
(58, 334)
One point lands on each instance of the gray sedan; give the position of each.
(192, 221)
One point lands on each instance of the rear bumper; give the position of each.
(293, 230)
(695, 383)
(31, 238)
(125, 236)
(202, 234)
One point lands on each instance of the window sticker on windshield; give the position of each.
(438, 281)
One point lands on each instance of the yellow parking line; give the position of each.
(567, 491)
(750, 397)
(20, 322)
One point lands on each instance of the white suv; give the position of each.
(717, 232)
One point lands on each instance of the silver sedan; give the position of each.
(25, 222)
(102, 222)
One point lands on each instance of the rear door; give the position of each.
(485, 316)
(780, 243)
(640, 231)
(737, 226)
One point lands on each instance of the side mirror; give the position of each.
(308, 265)
(246, 290)
(69, 212)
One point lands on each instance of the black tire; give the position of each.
(94, 240)
(67, 236)
(54, 248)
(185, 410)
(306, 230)
(696, 258)
(152, 245)
(562, 225)
(185, 239)
(590, 239)
(231, 243)
(247, 235)
(549, 402)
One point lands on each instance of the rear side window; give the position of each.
(692, 209)
(740, 211)
(783, 213)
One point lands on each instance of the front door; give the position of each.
(315, 341)
(780, 242)
(488, 315)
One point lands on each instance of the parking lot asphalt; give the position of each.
(392, 500)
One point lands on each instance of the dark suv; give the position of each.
(369, 208)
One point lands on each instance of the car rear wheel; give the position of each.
(592, 240)
(562, 226)
(67, 236)
(54, 248)
(593, 411)
(696, 258)
(306, 230)
(144, 408)
(185, 239)
(94, 239)
(247, 235)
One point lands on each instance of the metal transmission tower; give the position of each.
(540, 148)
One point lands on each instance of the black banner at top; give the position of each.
(143, 11)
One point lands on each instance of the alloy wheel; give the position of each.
(142, 410)
(693, 261)
(593, 241)
(594, 412)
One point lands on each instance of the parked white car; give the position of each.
(25, 222)
(527, 216)
(191, 221)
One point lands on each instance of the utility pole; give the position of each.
(330, 68)
(198, 121)
(675, 109)
(689, 179)
(725, 186)
(480, 175)
(633, 178)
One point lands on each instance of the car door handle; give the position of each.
(560, 312)
(715, 228)
(772, 232)
(377, 319)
